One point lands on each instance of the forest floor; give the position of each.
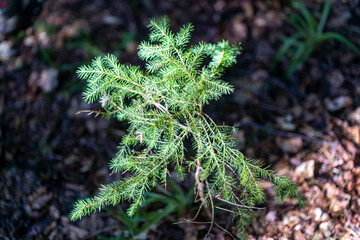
(306, 125)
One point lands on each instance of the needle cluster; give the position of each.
(164, 107)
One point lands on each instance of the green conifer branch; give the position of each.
(164, 106)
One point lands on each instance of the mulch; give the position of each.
(307, 126)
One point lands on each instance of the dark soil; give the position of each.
(307, 125)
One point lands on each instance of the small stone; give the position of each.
(336, 78)
(111, 20)
(318, 213)
(298, 235)
(27, 209)
(338, 103)
(354, 133)
(29, 41)
(7, 25)
(271, 216)
(325, 228)
(290, 220)
(239, 28)
(5, 51)
(355, 116)
(306, 169)
(286, 123)
(340, 202)
(325, 217)
(44, 39)
(54, 212)
(53, 234)
(48, 80)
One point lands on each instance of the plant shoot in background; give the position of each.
(174, 202)
(309, 34)
(164, 107)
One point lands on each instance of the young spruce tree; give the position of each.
(164, 106)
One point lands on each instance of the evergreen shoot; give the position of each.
(164, 107)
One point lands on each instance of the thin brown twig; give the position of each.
(237, 205)
(97, 112)
(212, 210)
(225, 209)
(194, 222)
(200, 188)
(281, 133)
(190, 221)
(224, 230)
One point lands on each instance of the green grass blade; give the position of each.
(177, 191)
(298, 23)
(324, 16)
(156, 217)
(300, 50)
(340, 38)
(308, 16)
(122, 217)
(155, 197)
(306, 50)
(288, 43)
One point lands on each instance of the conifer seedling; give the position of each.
(163, 106)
